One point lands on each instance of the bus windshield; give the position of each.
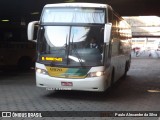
(73, 15)
(71, 45)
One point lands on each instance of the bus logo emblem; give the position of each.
(56, 69)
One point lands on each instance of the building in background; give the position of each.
(145, 31)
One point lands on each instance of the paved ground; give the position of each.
(139, 91)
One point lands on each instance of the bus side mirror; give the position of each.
(107, 32)
(32, 31)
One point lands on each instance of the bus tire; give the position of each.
(112, 78)
(24, 63)
(127, 66)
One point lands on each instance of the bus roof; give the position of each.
(97, 5)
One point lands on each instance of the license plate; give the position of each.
(66, 83)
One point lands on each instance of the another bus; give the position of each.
(15, 50)
(65, 58)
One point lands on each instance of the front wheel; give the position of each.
(112, 79)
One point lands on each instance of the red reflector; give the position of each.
(66, 83)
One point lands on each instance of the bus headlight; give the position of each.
(41, 71)
(95, 74)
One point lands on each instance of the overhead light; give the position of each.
(154, 91)
(34, 13)
(5, 20)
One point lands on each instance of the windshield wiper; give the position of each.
(77, 54)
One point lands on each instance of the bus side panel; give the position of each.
(121, 46)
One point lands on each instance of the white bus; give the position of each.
(66, 60)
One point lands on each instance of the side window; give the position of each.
(115, 26)
(110, 14)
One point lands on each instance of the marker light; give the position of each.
(41, 71)
(95, 74)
